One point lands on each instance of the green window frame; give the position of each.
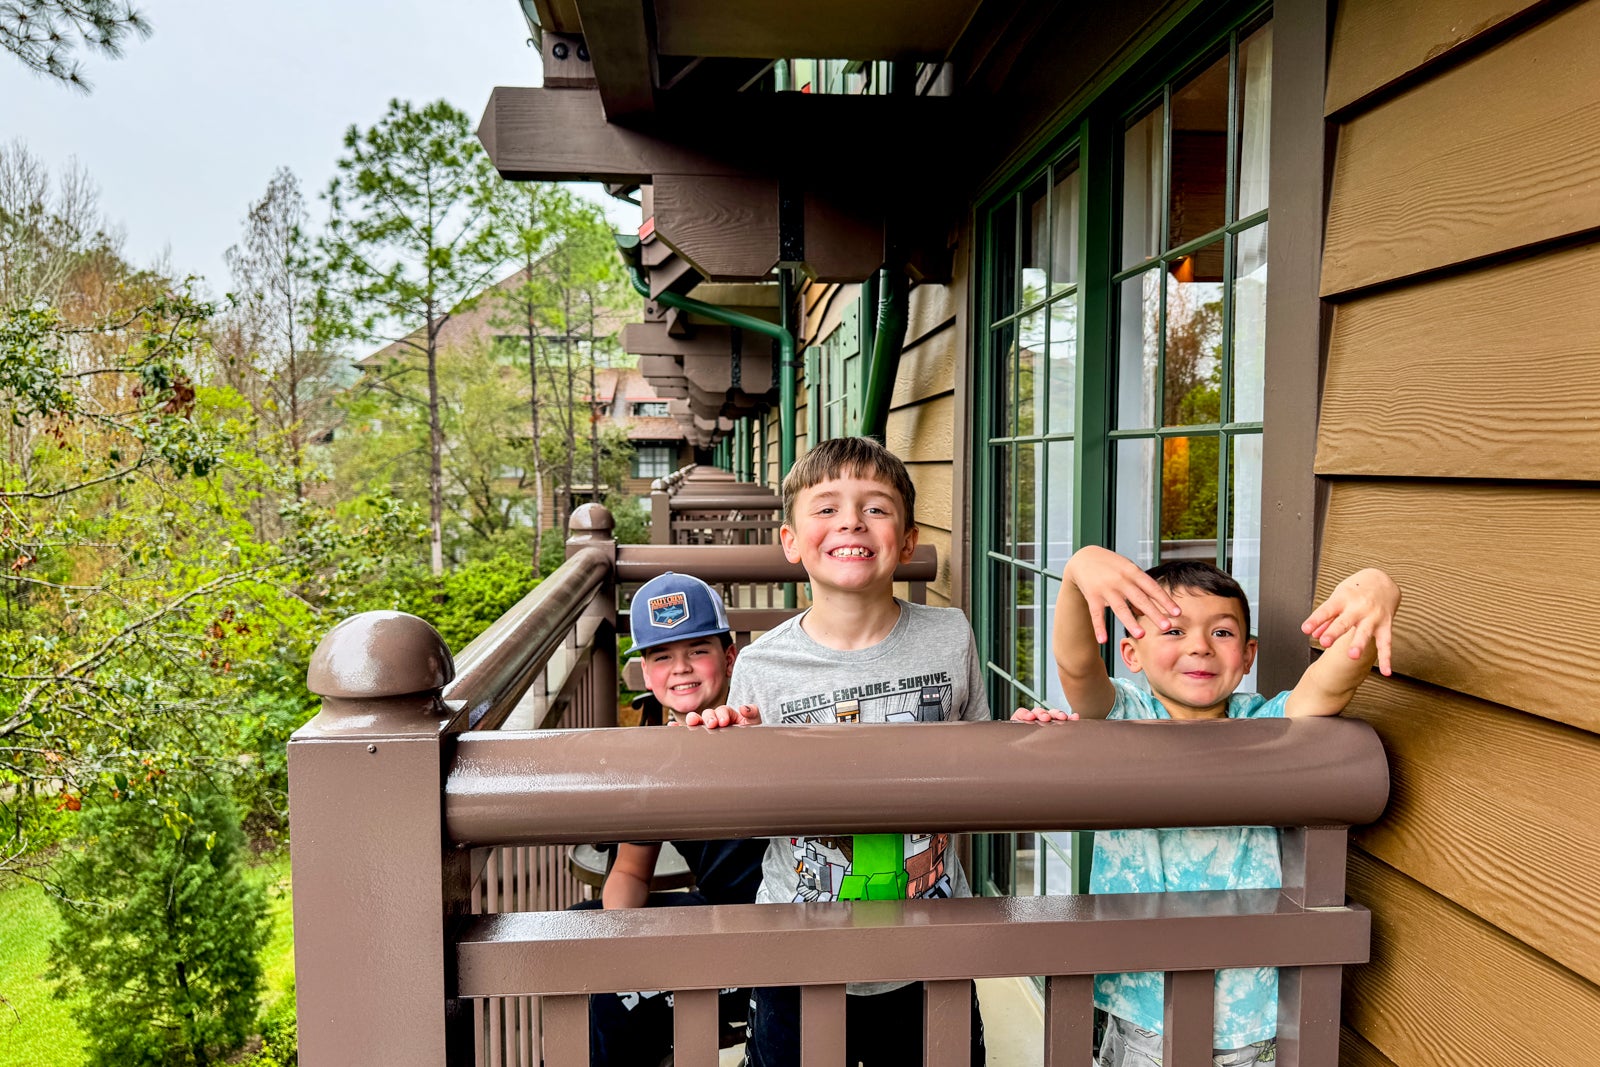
(1120, 308)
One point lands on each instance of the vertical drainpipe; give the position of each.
(888, 340)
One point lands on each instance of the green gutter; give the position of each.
(785, 341)
(888, 340)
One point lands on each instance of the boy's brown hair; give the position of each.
(857, 457)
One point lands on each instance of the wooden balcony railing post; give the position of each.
(375, 889)
(592, 527)
(1308, 997)
(660, 513)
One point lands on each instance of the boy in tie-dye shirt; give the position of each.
(1188, 633)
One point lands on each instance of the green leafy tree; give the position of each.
(272, 350)
(44, 34)
(160, 930)
(410, 241)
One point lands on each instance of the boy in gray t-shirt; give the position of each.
(857, 654)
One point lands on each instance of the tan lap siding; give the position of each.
(1461, 444)
(1492, 155)
(1377, 42)
(1445, 987)
(921, 427)
(1495, 578)
(1494, 810)
(1492, 373)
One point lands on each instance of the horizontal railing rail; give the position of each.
(779, 780)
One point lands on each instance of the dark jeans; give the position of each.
(634, 1030)
(882, 1030)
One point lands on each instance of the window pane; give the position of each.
(1244, 514)
(1054, 695)
(1031, 374)
(1063, 366)
(1143, 171)
(1249, 323)
(1138, 350)
(1003, 273)
(1029, 651)
(1027, 883)
(1255, 113)
(1189, 498)
(1005, 364)
(1030, 500)
(1199, 155)
(1004, 486)
(1064, 227)
(1004, 633)
(1192, 362)
(1136, 483)
(1244, 526)
(1057, 869)
(1035, 243)
(1058, 524)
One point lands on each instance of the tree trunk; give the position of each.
(572, 429)
(533, 419)
(594, 411)
(435, 454)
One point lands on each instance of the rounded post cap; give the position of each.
(380, 654)
(591, 518)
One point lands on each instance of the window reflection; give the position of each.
(1191, 386)
(1144, 166)
(1199, 156)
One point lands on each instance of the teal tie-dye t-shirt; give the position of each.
(1185, 860)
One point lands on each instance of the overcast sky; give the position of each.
(184, 131)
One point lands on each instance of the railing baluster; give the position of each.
(947, 1023)
(1068, 1020)
(1189, 1007)
(821, 1025)
(566, 1031)
(694, 1028)
(1309, 997)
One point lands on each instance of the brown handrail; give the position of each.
(651, 785)
(495, 670)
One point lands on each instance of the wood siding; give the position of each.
(1460, 443)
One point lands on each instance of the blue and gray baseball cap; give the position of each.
(675, 607)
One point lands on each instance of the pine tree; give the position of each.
(161, 929)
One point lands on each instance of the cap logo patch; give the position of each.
(669, 610)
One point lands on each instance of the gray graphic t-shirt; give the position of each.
(926, 670)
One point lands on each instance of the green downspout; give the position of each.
(744, 322)
(888, 339)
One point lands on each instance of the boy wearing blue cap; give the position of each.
(680, 630)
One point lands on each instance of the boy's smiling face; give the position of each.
(1198, 661)
(688, 675)
(850, 533)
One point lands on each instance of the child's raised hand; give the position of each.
(1363, 605)
(724, 715)
(1109, 580)
(1042, 715)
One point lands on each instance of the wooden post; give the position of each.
(375, 890)
(593, 527)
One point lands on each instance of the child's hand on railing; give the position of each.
(1042, 715)
(1362, 605)
(724, 715)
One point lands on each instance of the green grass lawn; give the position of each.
(37, 1030)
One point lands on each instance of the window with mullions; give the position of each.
(1139, 429)
(1189, 329)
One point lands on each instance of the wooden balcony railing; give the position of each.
(427, 849)
(702, 505)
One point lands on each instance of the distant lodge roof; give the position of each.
(655, 428)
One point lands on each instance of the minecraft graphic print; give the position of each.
(916, 698)
(872, 866)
